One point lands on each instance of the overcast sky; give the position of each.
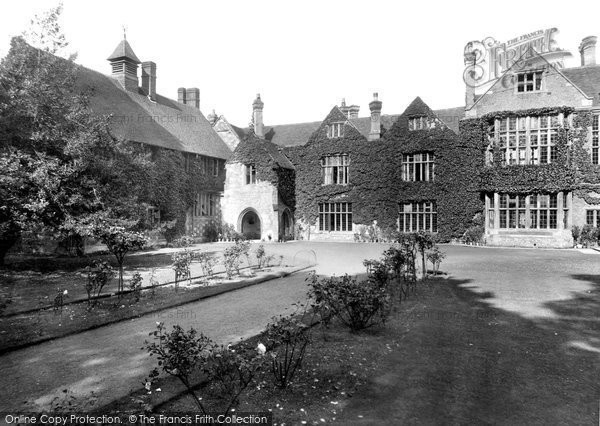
(303, 57)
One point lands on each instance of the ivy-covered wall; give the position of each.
(375, 186)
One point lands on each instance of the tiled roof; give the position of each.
(252, 148)
(164, 123)
(363, 124)
(123, 50)
(587, 79)
(451, 117)
(291, 134)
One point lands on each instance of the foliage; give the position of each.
(589, 235)
(436, 256)
(231, 371)
(475, 232)
(261, 257)
(576, 233)
(424, 241)
(232, 257)
(180, 354)
(287, 338)
(181, 265)
(357, 304)
(187, 354)
(135, 285)
(59, 300)
(210, 233)
(60, 162)
(455, 188)
(207, 263)
(97, 277)
(183, 241)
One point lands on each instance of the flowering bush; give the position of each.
(207, 263)
(183, 241)
(232, 257)
(181, 265)
(97, 276)
(436, 256)
(187, 354)
(357, 304)
(135, 285)
(287, 338)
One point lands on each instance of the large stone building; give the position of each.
(520, 158)
(141, 115)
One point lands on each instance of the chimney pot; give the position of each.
(587, 49)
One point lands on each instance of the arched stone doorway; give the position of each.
(286, 231)
(250, 225)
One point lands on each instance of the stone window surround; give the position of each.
(592, 217)
(525, 140)
(250, 174)
(528, 217)
(417, 216)
(335, 217)
(335, 169)
(530, 81)
(335, 130)
(418, 167)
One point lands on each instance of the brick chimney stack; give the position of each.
(257, 116)
(181, 95)
(350, 111)
(149, 79)
(192, 97)
(587, 49)
(375, 107)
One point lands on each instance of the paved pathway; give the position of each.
(109, 360)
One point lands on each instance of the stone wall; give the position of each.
(260, 197)
(558, 91)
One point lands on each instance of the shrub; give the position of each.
(183, 241)
(576, 233)
(377, 271)
(358, 305)
(474, 233)
(261, 257)
(589, 235)
(232, 257)
(181, 265)
(207, 263)
(424, 241)
(231, 371)
(181, 354)
(97, 277)
(187, 354)
(135, 285)
(436, 256)
(287, 338)
(210, 233)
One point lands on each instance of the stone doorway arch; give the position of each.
(250, 225)
(286, 230)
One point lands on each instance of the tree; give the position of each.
(424, 241)
(59, 162)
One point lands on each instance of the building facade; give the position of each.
(520, 159)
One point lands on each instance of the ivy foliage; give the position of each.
(375, 181)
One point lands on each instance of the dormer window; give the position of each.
(420, 123)
(529, 82)
(335, 130)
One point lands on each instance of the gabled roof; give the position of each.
(164, 123)
(291, 134)
(587, 79)
(124, 50)
(363, 124)
(451, 117)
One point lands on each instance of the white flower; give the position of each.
(157, 323)
(65, 293)
(262, 349)
(147, 385)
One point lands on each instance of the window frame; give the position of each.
(335, 169)
(529, 140)
(528, 211)
(418, 167)
(595, 154)
(250, 173)
(335, 130)
(336, 215)
(536, 82)
(417, 216)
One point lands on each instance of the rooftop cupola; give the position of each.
(124, 64)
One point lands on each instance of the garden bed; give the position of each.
(17, 331)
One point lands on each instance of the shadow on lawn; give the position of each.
(462, 361)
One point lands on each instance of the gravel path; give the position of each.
(109, 360)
